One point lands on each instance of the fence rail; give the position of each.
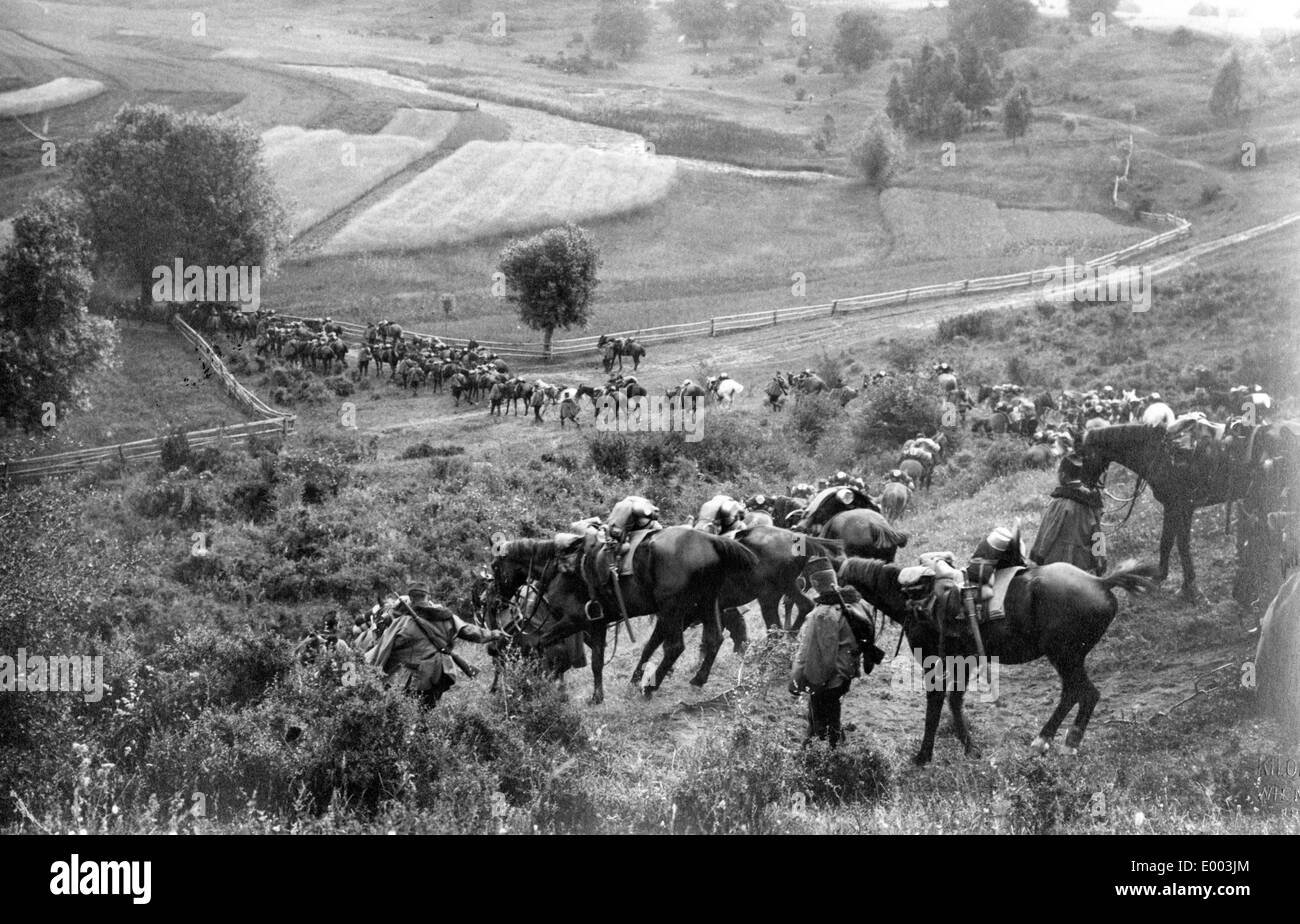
(271, 422)
(753, 320)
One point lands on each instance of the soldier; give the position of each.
(1071, 527)
(429, 633)
(630, 515)
(834, 633)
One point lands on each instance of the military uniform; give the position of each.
(1071, 527)
(839, 615)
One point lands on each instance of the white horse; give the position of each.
(1158, 414)
(725, 390)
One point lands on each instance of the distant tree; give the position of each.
(932, 80)
(975, 75)
(701, 21)
(1225, 98)
(162, 185)
(753, 18)
(877, 153)
(860, 39)
(1001, 23)
(896, 105)
(952, 120)
(1017, 113)
(621, 26)
(51, 349)
(551, 277)
(1083, 10)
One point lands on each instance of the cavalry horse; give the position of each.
(1181, 480)
(677, 575)
(1055, 611)
(616, 349)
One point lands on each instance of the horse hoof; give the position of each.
(973, 752)
(697, 682)
(596, 699)
(1040, 745)
(921, 758)
(647, 692)
(1069, 751)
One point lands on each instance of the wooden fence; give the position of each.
(270, 423)
(713, 327)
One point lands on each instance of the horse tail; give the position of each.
(1131, 576)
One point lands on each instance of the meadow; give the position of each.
(487, 189)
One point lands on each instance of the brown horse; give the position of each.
(677, 574)
(866, 534)
(1182, 481)
(1055, 611)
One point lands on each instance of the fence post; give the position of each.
(834, 305)
(774, 310)
(713, 327)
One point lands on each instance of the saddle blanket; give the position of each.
(1002, 581)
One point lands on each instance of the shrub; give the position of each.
(611, 454)
(840, 776)
(973, 325)
(789, 78)
(896, 409)
(811, 417)
(728, 787)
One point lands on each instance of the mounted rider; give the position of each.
(721, 514)
(631, 520)
(832, 500)
(901, 477)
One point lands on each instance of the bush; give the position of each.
(611, 454)
(841, 776)
(789, 78)
(972, 325)
(877, 153)
(728, 787)
(896, 409)
(811, 417)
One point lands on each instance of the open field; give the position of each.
(158, 385)
(487, 190)
(319, 172)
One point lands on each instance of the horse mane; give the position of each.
(538, 550)
(880, 578)
(1123, 436)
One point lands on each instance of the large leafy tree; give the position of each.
(1001, 23)
(51, 349)
(622, 26)
(753, 18)
(162, 185)
(860, 39)
(551, 277)
(701, 21)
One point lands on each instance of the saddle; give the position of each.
(993, 583)
(933, 591)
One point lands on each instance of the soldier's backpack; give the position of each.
(819, 646)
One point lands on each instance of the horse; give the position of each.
(1181, 484)
(918, 471)
(677, 574)
(865, 534)
(1055, 611)
(725, 390)
(893, 500)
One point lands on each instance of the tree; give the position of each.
(552, 278)
(621, 26)
(753, 18)
(51, 349)
(1083, 10)
(896, 107)
(952, 120)
(701, 21)
(1017, 112)
(162, 185)
(1225, 98)
(975, 78)
(1001, 23)
(859, 39)
(877, 152)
